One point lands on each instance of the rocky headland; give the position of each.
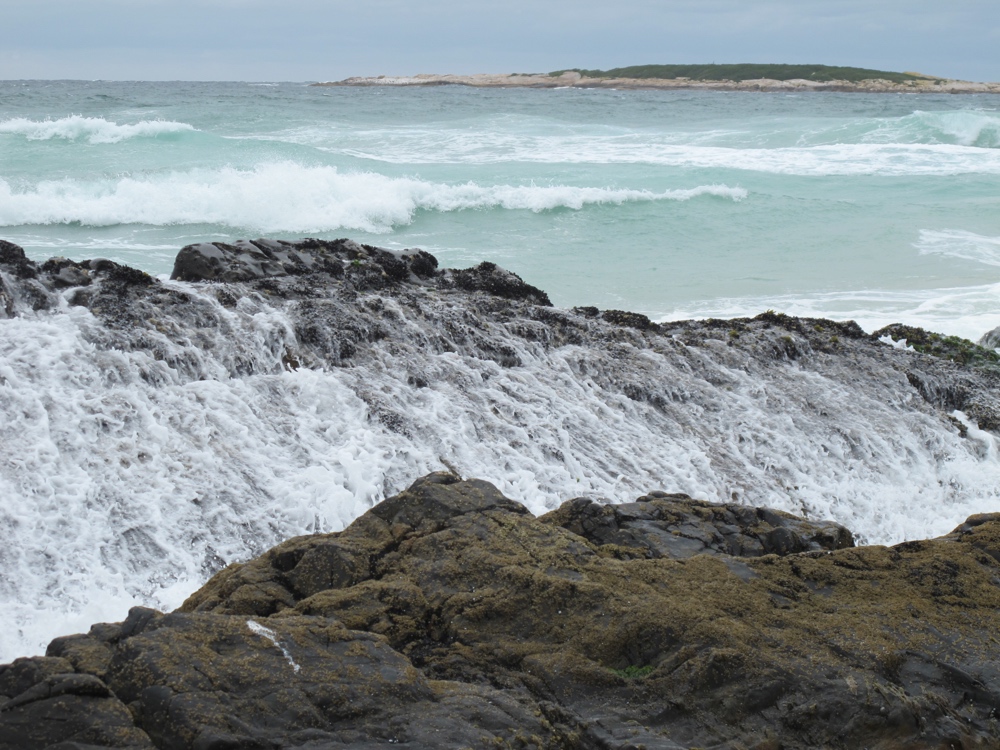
(449, 616)
(574, 79)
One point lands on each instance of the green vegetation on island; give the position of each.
(746, 72)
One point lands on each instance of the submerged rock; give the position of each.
(448, 616)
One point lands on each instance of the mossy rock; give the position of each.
(953, 348)
(464, 621)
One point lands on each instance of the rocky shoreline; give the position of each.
(450, 616)
(573, 79)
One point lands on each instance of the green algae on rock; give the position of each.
(449, 616)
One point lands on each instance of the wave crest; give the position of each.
(288, 197)
(91, 129)
(964, 128)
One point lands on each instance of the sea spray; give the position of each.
(153, 432)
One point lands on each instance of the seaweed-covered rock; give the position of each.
(489, 277)
(630, 319)
(449, 616)
(953, 348)
(44, 703)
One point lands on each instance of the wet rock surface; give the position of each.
(449, 616)
(346, 297)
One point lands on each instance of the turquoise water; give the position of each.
(677, 204)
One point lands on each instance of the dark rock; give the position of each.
(22, 674)
(676, 526)
(87, 653)
(12, 256)
(275, 678)
(63, 709)
(630, 319)
(348, 302)
(366, 266)
(126, 276)
(448, 616)
(66, 273)
(488, 277)
(423, 264)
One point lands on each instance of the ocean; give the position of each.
(133, 467)
(676, 204)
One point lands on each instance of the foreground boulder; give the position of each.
(449, 616)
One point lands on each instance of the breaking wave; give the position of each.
(288, 197)
(135, 463)
(90, 129)
(978, 128)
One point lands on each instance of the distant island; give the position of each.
(730, 77)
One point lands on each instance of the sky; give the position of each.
(318, 40)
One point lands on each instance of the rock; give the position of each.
(345, 299)
(662, 525)
(62, 708)
(488, 277)
(66, 273)
(12, 256)
(630, 319)
(953, 348)
(247, 260)
(197, 679)
(449, 616)
(990, 339)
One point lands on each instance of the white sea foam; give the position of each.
(129, 476)
(922, 143)
(891, 159)
(91, 129)
(285, 196)
(533, 137)
(957, 243)
(258, 629)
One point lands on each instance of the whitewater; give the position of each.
(135, 462)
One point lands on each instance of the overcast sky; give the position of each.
(306, 40)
